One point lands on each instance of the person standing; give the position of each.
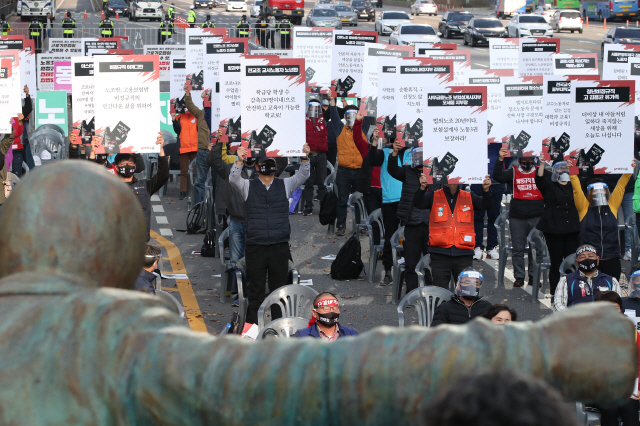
(18, 147)
(332, 147)
(262, 31)
(208, 23)
(191, 19)
(266, 204)
(526, 208)
(204, 145)
(68, 26)
(186, 127)
(559, 222)
(171, 13)
(48, 26)
(451, 232)
(28, 155)
(105, 4)
(106, 28)
(166, 29)
(243, 27)
(284, 27)
(5, 27)
(317, 133)
(35, 34)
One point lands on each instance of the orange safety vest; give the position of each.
(447, 229)
(188, 133)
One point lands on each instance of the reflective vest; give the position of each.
(243, 28)
(167, 28)
(35, 28)
(68, 24)
(192, 16)
(208, 24)
(524, 185)
(4, 27)
(106, 26)
(284, 27)
(171, 12)
(448, 229)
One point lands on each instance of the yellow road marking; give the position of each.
(191, 307)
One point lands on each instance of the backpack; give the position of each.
(348, 262)
(328, 204)
(209, 244)
(196, 219)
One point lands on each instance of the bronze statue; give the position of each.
(78, 348)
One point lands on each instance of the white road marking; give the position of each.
(166, 232)
(161, 219)
(158, 208)
(155, 198)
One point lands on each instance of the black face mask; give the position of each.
(101, 158)
(329, 319)
(526, 166)
(588, 265)
(249, 162)
(267, 169)
(126, 171)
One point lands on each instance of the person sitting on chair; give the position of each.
(466, 303)
(146, 281)
(324, 322)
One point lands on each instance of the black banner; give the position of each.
(392, 69)
(423, 50)
(425, 69)
(539, 47)
(213, 48)
(386, 52)
(4, 73)
(11, 44)
(353, 40)
(575, 63)
(558, 87)
(523, 90)
(272, 70)
(179, 64)
(602, 94)
(126, 66)
(621, 57)
(231, 67)
(454, 99)
(484, 80)
(83, 69)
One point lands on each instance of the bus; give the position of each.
(612, 9)
(567, 4)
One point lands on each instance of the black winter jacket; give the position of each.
(410, 178)
(455, 311)
(520, 209)
(560, 214)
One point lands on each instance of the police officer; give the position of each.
(106, 26)
(262, 30)
(166, 29)
(208, 23)
(192, 17)
(171, 13)
(285, 33)
(4, 25)
(68, 25)
(104, 4)
(35, 33)
(243, 27)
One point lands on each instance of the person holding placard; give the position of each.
(203, 146)
(317, 139)
(18, 128)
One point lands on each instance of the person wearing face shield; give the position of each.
(317, 139)
(266, 206)
(143, 189)
(632, 302)
(349, 161)
(324, 321)
(466, 303)
(559, 222)
(586, 282)
(525, 211)
(598, 214)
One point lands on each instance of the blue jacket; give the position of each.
(312, 331)
(391, 187)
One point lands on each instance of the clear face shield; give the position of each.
(560, 172)
(469, 284)
(416, 157)
(350, 117)
(598, 194)
(313, 110)
(634, 284)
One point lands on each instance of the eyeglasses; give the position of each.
(328, 309)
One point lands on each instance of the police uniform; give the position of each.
(192, 18)
(171, 13)
(262, 32)
(106, 26)
(35, 33)
(243, 28)
(285, 34)
(4, 27)
(166, 30)
(208, 24)
(68, 26)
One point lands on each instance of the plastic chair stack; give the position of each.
(425, 300)
(283, 327)
(504, 248)
(374, 249)
(294, 301)
(398, 269)
(358, 211)
(540, 266)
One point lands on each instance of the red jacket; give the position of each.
(317, 134)
(363, 147)
(17, 132)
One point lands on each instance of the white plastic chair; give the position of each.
(294, 301)
(425, 300)
(283, 327)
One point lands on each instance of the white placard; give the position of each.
(347, 61)
(165, 52)
(455, 134)
(281, 53)
(82, 96)
(614, 62)
(373, 51)
(70, 46)
(556, 127)
(504, 53)
(522, 115)
(461, 62)
(315, 46)
(28, 75)
(178, 76)
(104, 45)
(575, 64)
(421, 49)
(388, 81)
(200, 66)
(127, 103)
(536, 55)
(634, 74)
(10, 104)
(273, 106)
(45, 63)
(415, 76)
(602, 115)
(492, 79)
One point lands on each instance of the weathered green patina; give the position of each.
(78, 349)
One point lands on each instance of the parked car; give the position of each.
(324, 17)
(529, 26)
(569, 20)
(255, 8)
(346, 14)
(236, 5)
(117, 7)
(546, 12)
(480, 30)
(364, 9)
(621, 35)
(454, 23)
(203, 3)
(410, 34)
(388, 21)
(424, 6)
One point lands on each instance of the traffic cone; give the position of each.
(102, 15)
(85, 14)
(117, 15)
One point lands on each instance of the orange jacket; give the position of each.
(348, 154)
(447, 229)
(188, 132)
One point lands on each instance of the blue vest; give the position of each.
(579, 290)
(267, 213)
(312, 331)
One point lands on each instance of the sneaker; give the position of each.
(307, 213)
(627, 255)
(387, 278)
(341, 230)
(315, 198)
(477, 253)
(182, 195)
(235, 303)
(518, 283)
(493, 254)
